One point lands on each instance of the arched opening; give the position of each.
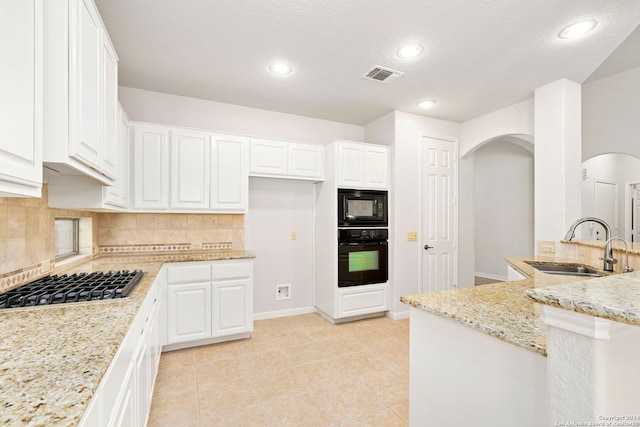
(503, 212)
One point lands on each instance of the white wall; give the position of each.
(277, 208)
(611, 115)
(557, 149)
(164, 108)
(503, 206)
(405, 256)
(516, 119)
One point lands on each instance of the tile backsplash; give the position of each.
(27, 239)
(180, 231)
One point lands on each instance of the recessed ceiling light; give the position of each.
(280, 68)
(578, 29)
(410, 50)
(429, 103)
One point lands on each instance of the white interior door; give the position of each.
(606, 205)
(439, 257)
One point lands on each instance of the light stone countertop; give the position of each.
(615, 297)
(502, 309)
(53, 358)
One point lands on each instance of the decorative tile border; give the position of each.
(168, 247)
(13, 279)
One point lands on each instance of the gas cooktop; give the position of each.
(72, 288)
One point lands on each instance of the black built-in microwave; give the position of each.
(357, 208)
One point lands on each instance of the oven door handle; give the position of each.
(350, 244)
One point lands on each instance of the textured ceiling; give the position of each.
(479, 55)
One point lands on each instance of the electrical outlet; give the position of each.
(412, 236)
(548, 249)
(294, 235)
(283, 292)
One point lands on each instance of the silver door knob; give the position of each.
(427, 247)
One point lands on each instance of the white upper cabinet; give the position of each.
(110, 110)
(200, 171)
(150, 167)
(229, 173)
(190, 169)
(306, 160)
(118, 194)
(81, 81)
(21, 29)
(362, 165)
(81, 192)
(268, 157)
(376, 166)
(282, 159)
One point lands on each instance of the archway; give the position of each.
(503, 212)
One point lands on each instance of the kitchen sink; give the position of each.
(566, 269)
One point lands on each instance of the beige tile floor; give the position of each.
(293, 371)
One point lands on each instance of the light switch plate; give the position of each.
(412, 236)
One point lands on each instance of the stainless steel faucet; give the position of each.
(608, 259)
(626, 268)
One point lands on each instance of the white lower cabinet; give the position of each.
(513, 274)
(361, 300)
(189, 315)
(123, 397)
(209, 301)
(124, 412)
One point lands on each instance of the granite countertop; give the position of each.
(615, 297)
(502, 309)
(53, 358)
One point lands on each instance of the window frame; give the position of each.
(75, 238)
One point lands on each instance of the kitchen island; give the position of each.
(53, 358)
(480, 356)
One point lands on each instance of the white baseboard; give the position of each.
(398, 315)
(284, 313)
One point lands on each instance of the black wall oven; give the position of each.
(357, 208)
(362, 256)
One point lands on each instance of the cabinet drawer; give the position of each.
(231, 270)
(189, 273)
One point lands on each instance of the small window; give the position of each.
(67, 237)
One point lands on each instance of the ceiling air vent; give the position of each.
(382, 74)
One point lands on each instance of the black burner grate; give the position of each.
(72, 288)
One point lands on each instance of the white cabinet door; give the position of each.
(190, 169)
(268, 157)
(189, 312)
(150, 168)
(85, 79)
(350, 165)
(306, 160)
(232, 307)
(21, 25)
(118, 194)
(124, 413)
(110, 109)
(376, 167)
(359, 300)
(229, 173)
(362, 165)
(513, 274)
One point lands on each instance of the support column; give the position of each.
(592, 369)
(558, 159)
